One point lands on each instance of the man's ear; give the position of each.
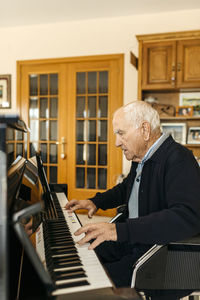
(146, 130)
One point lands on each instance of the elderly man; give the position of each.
(161, 193)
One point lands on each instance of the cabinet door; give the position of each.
(188, 63)
(158, 65)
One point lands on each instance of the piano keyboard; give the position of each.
(72, 267)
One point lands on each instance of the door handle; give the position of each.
(63, 143)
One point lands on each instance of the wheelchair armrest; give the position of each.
(194, 240)
(120, 214)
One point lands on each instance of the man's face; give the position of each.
(128, 138)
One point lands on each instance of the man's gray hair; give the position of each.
(138, 111)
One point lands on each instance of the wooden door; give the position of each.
(93, 101)
(188, 63)
(158, 65)
(68, 105)
(40, 104)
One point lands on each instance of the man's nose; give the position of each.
(118, 142)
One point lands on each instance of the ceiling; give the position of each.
(31, 12)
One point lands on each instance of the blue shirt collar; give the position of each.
(154, 147)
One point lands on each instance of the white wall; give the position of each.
(100, 36)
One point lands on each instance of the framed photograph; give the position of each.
(184, 111)
(177, 131)
(5, 91)
(191, 99)
(193, 135)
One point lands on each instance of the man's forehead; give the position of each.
(119, 116)
(119, 121)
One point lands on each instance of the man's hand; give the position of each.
(98, 232)
(82, 204)
(28, 227)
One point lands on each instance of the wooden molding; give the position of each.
(169, 36)
(134, 60)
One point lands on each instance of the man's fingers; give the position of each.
(90, 213)
(75, 207)
(85, 229)
(88, 237)
(96, 243)
(71, 203)
(97, 233)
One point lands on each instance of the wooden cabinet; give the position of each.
(169, 61)
(169, 64)
(158, 65)
(188, 63)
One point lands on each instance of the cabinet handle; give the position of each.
(173, 75)
(179, 67)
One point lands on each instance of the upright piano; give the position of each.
(42, 259)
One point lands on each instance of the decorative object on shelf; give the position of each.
(196, 110)
(177, 130)
(193, 135)
(164, 110)
(184, 111)
(189, 99)
(151, 100)
(5, 91)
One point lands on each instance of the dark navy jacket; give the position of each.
(169, 197)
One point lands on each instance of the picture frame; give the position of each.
(5, 91)
(193, 135)
(184, 111)
(191, 99)
(177, 131)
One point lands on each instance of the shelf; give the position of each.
(192, 145)
(180, 118)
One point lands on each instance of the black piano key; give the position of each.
(63, 236)
(60, 251)
(72, 271)
(65, 239)
(58, 247)
(64, 258)
(67, 258)
(66, 265)
(61, 243)
(69, 274)
(72, 284)
(58, 225)
(67, 251)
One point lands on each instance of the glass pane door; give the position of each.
(16, 143)
(43, 120)
(91, 129)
